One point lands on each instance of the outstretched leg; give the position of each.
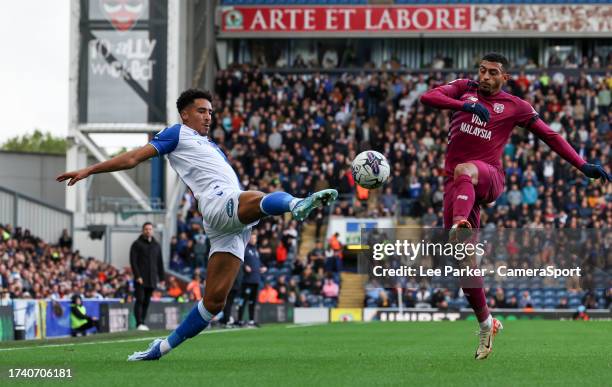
(254, 205)
(222, 270)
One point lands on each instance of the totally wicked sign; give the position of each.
(337, 19)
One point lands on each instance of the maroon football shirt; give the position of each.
(469, 138)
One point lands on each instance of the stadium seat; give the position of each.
(550, 303)
(549, 293)
(574, 302)
(536, 301)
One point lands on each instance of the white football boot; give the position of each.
(485, 346)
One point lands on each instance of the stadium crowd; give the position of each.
(33, 268)
(298, 133)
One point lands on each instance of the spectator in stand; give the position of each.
(589, 300)
(281, 254)
(65, 241)
(174, 289)
(423, 297)
(268, 295)
(335, 244)
(333, 262)
(316, 256)
(5, 297)
(194, 288)
(500, 298)
(438, 299)
(525, 301)
(562, 303)
(383, 299)
(608, 298)
(308, 280)
(330, 288)
(281, 288)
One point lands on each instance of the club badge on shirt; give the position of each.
(498, 107)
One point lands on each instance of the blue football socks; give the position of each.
(194, 323)
(277, 203)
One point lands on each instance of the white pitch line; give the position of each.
(110, 341)
(306, 325)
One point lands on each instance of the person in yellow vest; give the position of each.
(80, 322)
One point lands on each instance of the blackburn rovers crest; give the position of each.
(123, 14)
(233, 20)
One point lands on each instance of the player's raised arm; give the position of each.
(447, 97)
(120, 162)
(558, 144)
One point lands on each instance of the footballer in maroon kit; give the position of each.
(480, 127)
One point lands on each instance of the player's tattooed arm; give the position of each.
(120, 162)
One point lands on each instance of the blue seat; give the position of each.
(601, 303)
(549, 293)
(550, 302)
(574, 302)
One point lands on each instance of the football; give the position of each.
(370, 169)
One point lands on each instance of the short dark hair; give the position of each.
(145, 224)
(188, 96)
(498, 58)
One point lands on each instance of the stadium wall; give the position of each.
(33, 174)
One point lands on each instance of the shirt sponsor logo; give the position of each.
(229, 208)
(475, 131)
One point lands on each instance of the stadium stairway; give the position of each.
(352, 291)
(308, 240)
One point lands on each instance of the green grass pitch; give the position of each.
(559, 353)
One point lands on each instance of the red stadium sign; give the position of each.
(345, 19)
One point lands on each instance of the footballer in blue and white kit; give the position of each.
(228, 212)
(203, 167)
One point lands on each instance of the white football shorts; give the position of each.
(226, 233)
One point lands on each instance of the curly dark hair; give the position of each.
(498, 58)
(188, 96)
